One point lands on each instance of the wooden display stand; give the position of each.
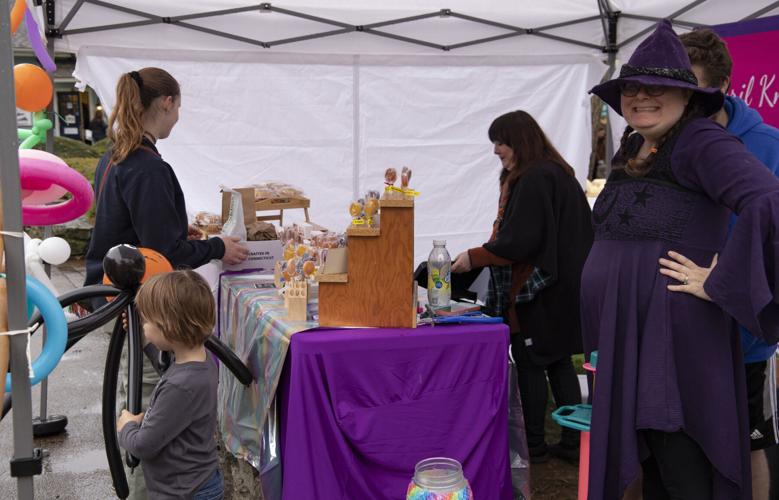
(281, 204)
(378, 290)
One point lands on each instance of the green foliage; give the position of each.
(85, 166)
(101, 146)
(68, 148)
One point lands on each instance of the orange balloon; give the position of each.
(156, 263)
(33, 87)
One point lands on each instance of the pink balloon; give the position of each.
(45, 175)
(33, 197)
(40, 191)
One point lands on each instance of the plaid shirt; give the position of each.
(500, 285)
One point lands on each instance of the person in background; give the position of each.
(664, 282)
(712, 65)
(98, 126)
(139, 200)
(540, 240)
(175, 437)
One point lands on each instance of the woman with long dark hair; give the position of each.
(539, 242)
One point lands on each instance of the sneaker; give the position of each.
(565, 452)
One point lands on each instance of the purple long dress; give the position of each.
(667, 360)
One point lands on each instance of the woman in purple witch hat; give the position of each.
(670, 396)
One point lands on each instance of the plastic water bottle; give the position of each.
(439, 270)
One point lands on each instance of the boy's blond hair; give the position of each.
(180, 304)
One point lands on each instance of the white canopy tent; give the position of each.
(327, 95)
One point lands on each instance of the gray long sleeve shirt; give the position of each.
(176, 440)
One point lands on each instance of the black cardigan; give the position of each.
(547, 224)
(141, 203)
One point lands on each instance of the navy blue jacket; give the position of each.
(141, 203)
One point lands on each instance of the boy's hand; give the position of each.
(126, 417)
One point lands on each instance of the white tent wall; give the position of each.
(330, 114)
(332, 124)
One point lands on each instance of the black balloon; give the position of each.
(124, 265)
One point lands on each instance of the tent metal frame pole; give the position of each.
(308, 37)
(150, 19)
(566, 23)
(764, 10)
(405, 39)
(47, 231)
(69, 16)
(26, 461)
(610, 24)
(222, 34)
(677, 22)
(643, 32)
(484, 40)
(525, 31)
(401, 20)
(308, 17)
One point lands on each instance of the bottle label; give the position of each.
(438, 287)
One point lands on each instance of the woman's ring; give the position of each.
(686, 280)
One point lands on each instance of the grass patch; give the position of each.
(69, 148)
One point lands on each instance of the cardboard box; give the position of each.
(262, 255)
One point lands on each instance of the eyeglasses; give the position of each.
(630, 89)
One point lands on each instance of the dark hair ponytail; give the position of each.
(135, 93)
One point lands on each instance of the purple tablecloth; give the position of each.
(359, 408)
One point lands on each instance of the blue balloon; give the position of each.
(56, 331)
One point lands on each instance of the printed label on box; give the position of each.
(262, 255)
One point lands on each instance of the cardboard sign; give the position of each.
(262, 255)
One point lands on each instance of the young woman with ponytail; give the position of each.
(140, 201)
(663, 284)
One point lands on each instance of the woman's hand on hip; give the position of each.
(235, 252)
(690, 276)
(462, 263)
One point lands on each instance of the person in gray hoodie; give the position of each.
(712, 65)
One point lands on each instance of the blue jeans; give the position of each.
(213, 489)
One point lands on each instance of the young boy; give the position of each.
(175, 438)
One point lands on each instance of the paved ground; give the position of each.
(76, 466)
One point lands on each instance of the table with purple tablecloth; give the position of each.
(360, 407)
